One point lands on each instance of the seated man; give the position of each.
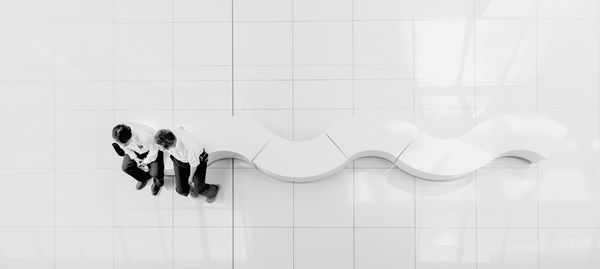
(141, 158)
(189, 162)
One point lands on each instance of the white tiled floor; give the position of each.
(325, 203)
(384, 248)
(36, 127)
(507, 248)
(93, 208)
(201, 11)
(25, 247)
(560, 248)
(263, 248)
(84, 247)
(383, 9)
(262, 201)
(383, 198)
(446, 248)
(143, 247)
(25, 206)
(202, 247)
(446, 204)
(71, 69)
(507, 197)
(323, 248)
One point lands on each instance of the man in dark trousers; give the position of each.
(141, 158)
(189, 162)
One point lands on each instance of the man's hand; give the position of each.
(141, 165)
(204, 156)
(144, 167)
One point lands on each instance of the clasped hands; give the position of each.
(142, 165)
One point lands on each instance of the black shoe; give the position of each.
(193, 192)
(214, 189)
(155, 189)
(141, 184)
(185, 194)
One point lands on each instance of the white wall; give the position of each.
(71, 69)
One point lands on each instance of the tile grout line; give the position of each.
(54, 27)
(232, 63)
(173, 127)
(293, 138)
(353, 161)
(114, 90)
(414, 118)
(320, 21)
(279, 80)
(304, 109)
(475, 124)
(49, 226)
(598, 63)
(293, 79)
(537, 168)
(232, 160)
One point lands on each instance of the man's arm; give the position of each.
(152, 153)
(120, 152)
(192, 171)
(132, 155)
(194, 161)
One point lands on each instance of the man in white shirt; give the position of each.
(189, 162)
(141, 158)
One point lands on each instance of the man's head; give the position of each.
(165, 139)
(122, 134)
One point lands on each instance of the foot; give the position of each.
(214, 190)
(193, 191)
(141, 184)
(155, 189)
(185, 194)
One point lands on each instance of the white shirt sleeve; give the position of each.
(192, 148)
(193, 157)
(129, 152)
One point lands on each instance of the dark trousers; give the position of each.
(182, 174)
(156, 168)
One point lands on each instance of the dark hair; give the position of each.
(165, 138)
(121, 133)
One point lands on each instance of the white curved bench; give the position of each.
(527, 136)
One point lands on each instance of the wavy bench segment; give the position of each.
(367, 137)
(443, 159)
(230, 137)
(526, 136)
(300, 161)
